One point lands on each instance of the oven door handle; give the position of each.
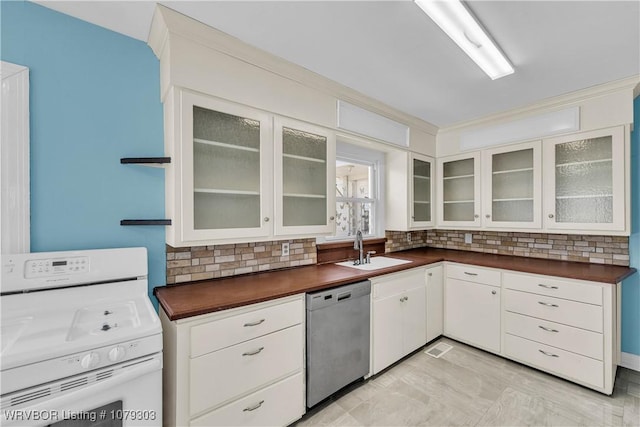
(65, 402)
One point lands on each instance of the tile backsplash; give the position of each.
(210, 262)
(568, 247)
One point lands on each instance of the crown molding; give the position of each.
(167, 22)
(556, 102)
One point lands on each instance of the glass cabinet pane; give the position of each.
(304, 178)
(512, 186)
(458, 190)
(584, 181)
(226, 170)
(421, 190)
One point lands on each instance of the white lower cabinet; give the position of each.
(472, 306)
(269, 406)
(566, 327)
(398, 316)
(435, 302)
(242, 366)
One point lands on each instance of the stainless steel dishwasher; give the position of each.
(338, 322)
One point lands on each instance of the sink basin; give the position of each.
(376, 263)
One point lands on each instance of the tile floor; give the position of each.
(470, 387)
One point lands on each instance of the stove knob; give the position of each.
(90, 360)
(116, 354)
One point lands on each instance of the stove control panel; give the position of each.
(55, 266)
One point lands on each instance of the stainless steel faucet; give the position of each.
(357, 245)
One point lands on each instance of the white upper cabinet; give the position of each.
(410, 191)
(512, 186)
(237, 178)
(304, 178)
(226, 169)
(421, 191)
(459, 190)
(584, 181)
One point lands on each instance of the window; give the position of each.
(355, 201)
(359, 191)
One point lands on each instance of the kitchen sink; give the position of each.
(375, 264)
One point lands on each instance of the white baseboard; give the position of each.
(631, 361)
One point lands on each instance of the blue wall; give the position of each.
(94, 97)
(631, 286)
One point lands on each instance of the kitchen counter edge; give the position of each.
(208, 296)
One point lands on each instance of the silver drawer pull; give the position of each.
(253, 353)
(470, 274)
(254, 407)
(548, 329)
(547, 286)
(548, 354)
(253, 323)
(548, 304)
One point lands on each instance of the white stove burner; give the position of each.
(11, 331)
(103, 319)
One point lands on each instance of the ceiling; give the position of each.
(391, 51)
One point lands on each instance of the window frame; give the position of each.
(346, 150)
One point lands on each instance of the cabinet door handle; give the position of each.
(487, 216)
(429, 274)
(548, 329)
(470, 274)
(253, 353)
(256, 323)
(548, 354)
(547, 286)
(548, 304)
(493, 292)
(476, 216)
(331, 218)
(254, 407)
(550, 215)
(266, 219)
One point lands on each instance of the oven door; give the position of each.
(129, 394)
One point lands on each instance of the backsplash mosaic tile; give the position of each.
(568, 247)
(210, 262)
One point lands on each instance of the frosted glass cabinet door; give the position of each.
(586, 188)
(421, 190)
(224, 169)
(304, 178)
(512, 184)
(459, 190)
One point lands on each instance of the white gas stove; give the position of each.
(81, 344)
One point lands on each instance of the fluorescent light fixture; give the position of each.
(455, 20)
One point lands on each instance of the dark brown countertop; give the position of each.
(186, 300)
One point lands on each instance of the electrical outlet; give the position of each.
(409, 237)
(285, 249)
(467, 238)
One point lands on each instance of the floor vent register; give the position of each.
(438, 350)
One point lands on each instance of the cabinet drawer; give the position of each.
(570, 365)
(565, 337)
(580, 315)
(544, 285)
(222, 375)
(277, 405)
(232, 330)
(396, 283)
(473, 274)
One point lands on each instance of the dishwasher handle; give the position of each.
(344, 295)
